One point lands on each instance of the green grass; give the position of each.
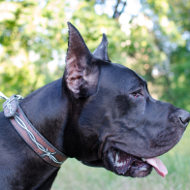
(75, 176)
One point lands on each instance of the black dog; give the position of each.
(100, 113)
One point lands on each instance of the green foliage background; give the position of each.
(33, 43)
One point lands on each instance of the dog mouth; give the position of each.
(128, 165)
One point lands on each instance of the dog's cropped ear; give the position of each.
(81, 73)
(101, 52)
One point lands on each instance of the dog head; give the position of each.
(114, 122)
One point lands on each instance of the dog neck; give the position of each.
(47, 110)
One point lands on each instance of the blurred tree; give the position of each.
(155, 42)
(30, 39)
(172, 31)
(118, 7)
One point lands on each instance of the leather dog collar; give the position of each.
(39, 144)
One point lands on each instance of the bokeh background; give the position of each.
(150, 36)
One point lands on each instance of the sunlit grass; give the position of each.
(75, 176)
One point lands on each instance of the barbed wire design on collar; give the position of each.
(45, 151)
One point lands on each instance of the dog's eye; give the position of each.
(137, 93)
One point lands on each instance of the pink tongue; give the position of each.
(158, 166)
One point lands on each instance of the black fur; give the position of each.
(95, 107)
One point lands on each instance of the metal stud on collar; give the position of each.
(10, 105)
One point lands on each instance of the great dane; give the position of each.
(99, 112)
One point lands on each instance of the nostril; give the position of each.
(182, 121)
(184, 118)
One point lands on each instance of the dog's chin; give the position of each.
(122, 163)
(125, 164)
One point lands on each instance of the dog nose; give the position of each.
(184, 117)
